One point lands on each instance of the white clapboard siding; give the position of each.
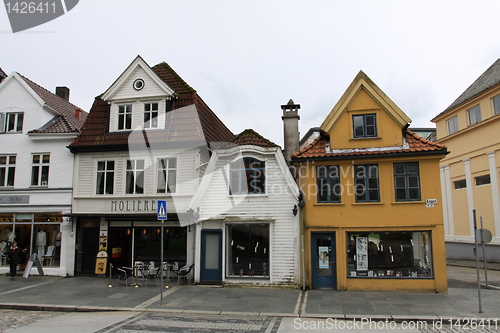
(275, 205)
(127, 91)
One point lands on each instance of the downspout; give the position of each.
(302, 225)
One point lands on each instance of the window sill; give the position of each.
(407, 202)
(368, 204)
(320, 204)
(366, 138)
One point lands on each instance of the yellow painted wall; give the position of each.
(389, 133)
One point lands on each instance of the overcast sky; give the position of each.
(246, 58)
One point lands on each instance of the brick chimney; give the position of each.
(63, 92)
(290, 128)
(78, 113)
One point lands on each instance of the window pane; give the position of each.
(10, 176)
(496, 105)
(400, 194)
(36, 158)
(100, 183)
(172, 163)
(162, 177)
(45, 174)
(34, 175)
(171, 181)
(20, 118)
(400, 182)
(370, 130)
(46, 158)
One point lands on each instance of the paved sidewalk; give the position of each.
(93, 294)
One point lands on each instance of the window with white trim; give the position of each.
(125, 117)
(150, 115)
(40, 169)
(7, 170)
(474, 115)
(247, 176)
(135, 177)
(496, 105)
(105, 177)
(452, 125)
(11, 122)
(167, 175)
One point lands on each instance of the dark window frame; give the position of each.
(474, 115)
(328, 184)
(482, 180)
(366, 127)
(247, 175)
(459, 184)
(369, 181)
(407, 191)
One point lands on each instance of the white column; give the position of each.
(470, 194)
(449, 223)
(494, 192)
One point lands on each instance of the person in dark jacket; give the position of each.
(14, 256)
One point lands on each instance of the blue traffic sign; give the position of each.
(162, 210)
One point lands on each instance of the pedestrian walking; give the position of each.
(14, 257)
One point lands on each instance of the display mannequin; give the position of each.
(4, 234)
(41, 241)
(12, 236)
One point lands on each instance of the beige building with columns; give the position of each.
(470, 128)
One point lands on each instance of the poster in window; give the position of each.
(361, 245)
(324, 257)
(362, 262)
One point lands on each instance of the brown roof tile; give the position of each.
(192, 112)
(68, 122)
(250, 137)
(320, 148)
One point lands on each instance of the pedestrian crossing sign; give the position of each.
(162, 210)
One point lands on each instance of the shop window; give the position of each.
(483, 180)
(135, 177)
(167, 175)
(247, 176)
(389, 254)
(366, 183)
(105, 177)
(150, 115)
(11, 122)
(452, 125)
(407, 181)
(462, 183)
(364, 125)
(7, 170)
(125, 117)
(40, 169)
(328, 182)
(247, 250)
(496, 105)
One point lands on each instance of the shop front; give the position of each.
(46, 234)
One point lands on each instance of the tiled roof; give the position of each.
(2, 75)
(487, 80)
(67, 122)
(189, 111)
(320, 148)
(250, 137)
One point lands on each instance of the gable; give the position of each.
(123, 87)
(361, 99)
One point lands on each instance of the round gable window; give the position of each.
(138, 84)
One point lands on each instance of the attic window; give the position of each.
(364, 125)
(138, 84)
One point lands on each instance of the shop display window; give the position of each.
(247, 250)
(37, 233)
(402, 254)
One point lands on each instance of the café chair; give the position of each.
(183, 273)
(124, 273)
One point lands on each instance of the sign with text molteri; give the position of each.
(133, 205)
(14, 199)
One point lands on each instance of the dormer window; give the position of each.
(151, 115)
(125, 117)
(364, 125)
(247, 176)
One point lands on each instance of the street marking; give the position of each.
(271, 325)
(27, 287)
(299, 302)
(304, 303)
(157, 298)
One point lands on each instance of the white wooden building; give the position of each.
(147, 138)
(247, 226)
(36, 172)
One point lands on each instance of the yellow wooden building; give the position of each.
(470, 129)
(372, 218)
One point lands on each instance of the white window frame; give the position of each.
(453, 121)
(6, 169)
(134, 172)
(4, 122)
(41, 165)
(474, 115)
(164, 174)
(124, 114)
(106, 172)
(153, 120)
(495, 101)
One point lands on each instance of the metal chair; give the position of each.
(49, 255)
(124, 273)
(183, 273)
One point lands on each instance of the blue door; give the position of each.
(324, 273)
(211, 257)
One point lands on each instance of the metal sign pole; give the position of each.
(483, 243)
(477, 262)
(161, 263)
